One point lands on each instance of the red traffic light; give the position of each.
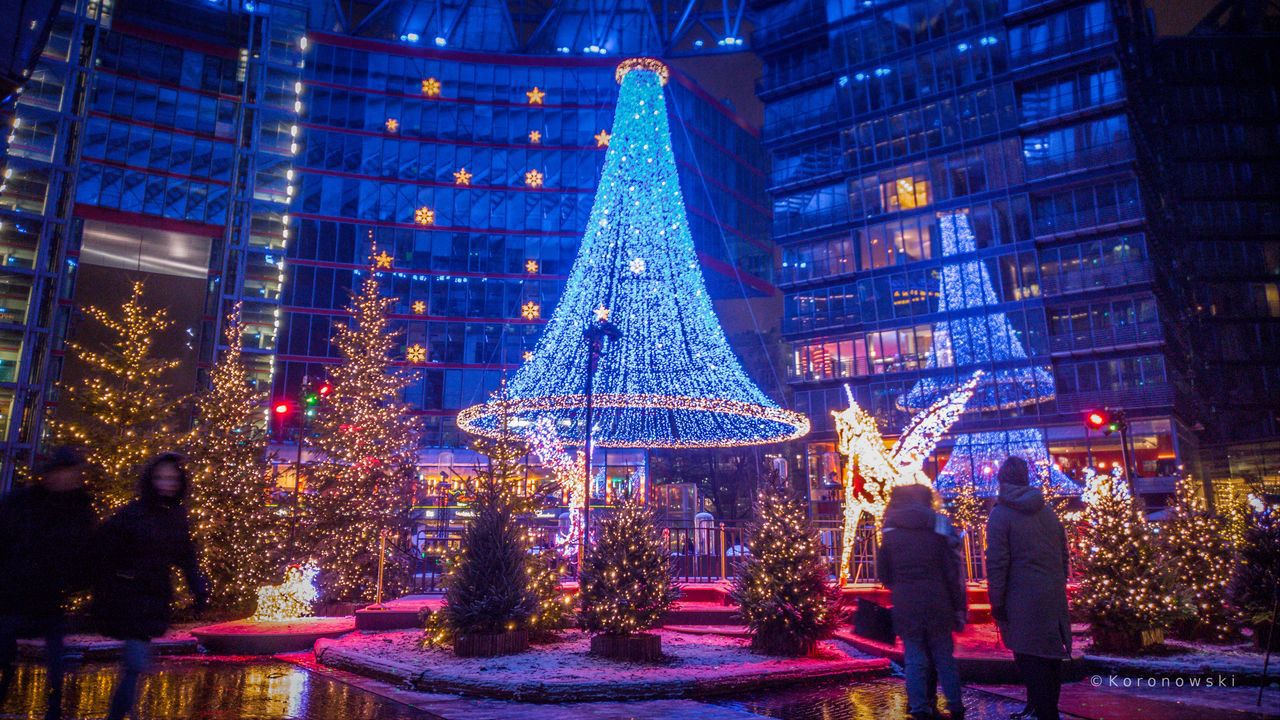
(280, 408)
(1096, 419)
(324, 389)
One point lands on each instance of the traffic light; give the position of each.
(280, 409)
(325, 389)
(1097, 419)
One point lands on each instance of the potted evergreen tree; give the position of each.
(1255, 584)
(626, 586)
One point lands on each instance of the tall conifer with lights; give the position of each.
(236, 531)
(121, 410)
(1198, 557)
(782, 587)
(367, 443)
(1119, 577)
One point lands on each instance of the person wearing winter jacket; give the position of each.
(138, 546)
(920, 561)
(1027, 569)
(45, 534)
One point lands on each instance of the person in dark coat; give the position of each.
(138, 547)
(45, 533)
(920, 561)
(1027, 569)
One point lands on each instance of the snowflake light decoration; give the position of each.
(533, 179)
(415, 354)
(419, 306)
(431, 87)
(531, 310)
(462, 177)
(531, 266)
(535, 137)
(424, 216)
(392, 125)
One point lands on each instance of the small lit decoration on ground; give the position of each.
(462, 177)
(535, 96)
(291, 599)
(531, 310)
(871, 471)
(533, 179)
(602, 313)
(415, 354)
(531, 266)
(382, 261)
(431, 87)
(419, 306)
(602, 139)
(636, 265)
(535, 137)
(424, 216)
(671, 379)
(392, 124)
(967, 340)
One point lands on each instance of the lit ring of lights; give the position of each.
(653, 65)
(481, 419)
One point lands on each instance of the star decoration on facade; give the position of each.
(535, 96)
(382, 261)
(392, 124)
(533, 179)
(531, 310)
(636, 265)
(602, 313)
(419, 307)
(415, 353)
(462, 177)
(531, 266)
(424, 216)
(535, 137)
(431, 87)
(528, 355)
(602, 138)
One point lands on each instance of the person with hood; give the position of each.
(920, 561)
(45, 534)
(1027, 569)
(138, 547)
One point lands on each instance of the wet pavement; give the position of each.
(294, 687)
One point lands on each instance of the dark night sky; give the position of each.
(733, 77)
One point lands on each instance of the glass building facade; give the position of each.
(893, 122)
(238, 145)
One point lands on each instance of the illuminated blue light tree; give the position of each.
(670, 379)
(972, 337)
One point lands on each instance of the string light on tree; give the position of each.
(431, 87)
(671, 380)
(535, 96)
(627, 584)
(424, 216)
(1198, 557)
(461, 177)
(533, 179)
(531, 310)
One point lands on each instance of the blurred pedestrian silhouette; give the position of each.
(45, 531)
(1027, 578)
(920, 562)
(138, 546)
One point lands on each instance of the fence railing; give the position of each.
(699, 553)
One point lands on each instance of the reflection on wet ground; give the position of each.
(875, 700)
(200, 689)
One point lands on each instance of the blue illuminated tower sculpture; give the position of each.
(970, 338)
(668, 378)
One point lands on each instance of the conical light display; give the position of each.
(669, 379)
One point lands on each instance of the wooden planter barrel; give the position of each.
(783, 648)
(641, 647)
(1126, 642)
(491, 644)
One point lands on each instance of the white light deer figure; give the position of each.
(882, 469)
(567, 469)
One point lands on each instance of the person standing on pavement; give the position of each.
(920, 561)
(138, 547)
(45, 534)
(1027, 568)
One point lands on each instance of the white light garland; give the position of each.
(291, 599)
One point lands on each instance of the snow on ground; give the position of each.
(564, 671)
(1180, 657)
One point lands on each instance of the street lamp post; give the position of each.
(595, 335)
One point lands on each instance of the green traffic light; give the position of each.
(311, 398)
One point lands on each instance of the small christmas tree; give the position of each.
(1119, 587)
(120, 412)
(626, 584)
(487, 591)
(782, 587)
(1255, 583)
(554, 607)
(1197, 557)
(367, 442)
(237, 533)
